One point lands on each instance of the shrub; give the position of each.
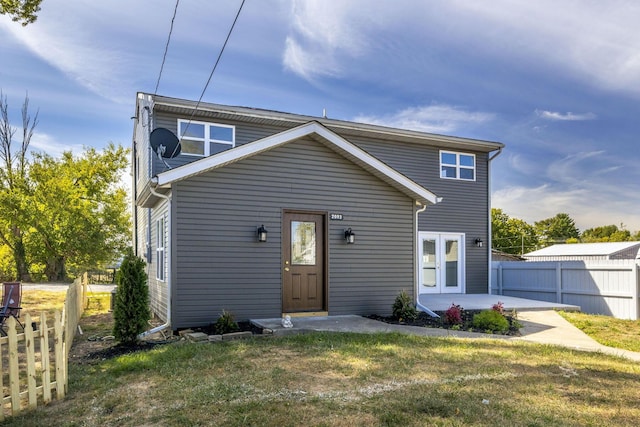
(226, 323)
(490, 320)
(499, 307)
(131, 306)
(453, 315)
(403, 308)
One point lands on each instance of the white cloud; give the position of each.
(324, 36)
(596, 43)
(569, 116)
(78, 49)
(431, 119)
(584, 205)
(48, 144)
(585, 185)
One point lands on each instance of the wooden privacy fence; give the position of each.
(34, 362)
(599, 287)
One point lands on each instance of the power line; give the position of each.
(166, 48)
(213, 70)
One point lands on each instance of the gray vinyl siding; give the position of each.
(244, 133)
(464, 208)
(220, 265)
(158, 289)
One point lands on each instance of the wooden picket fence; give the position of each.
(34, 362)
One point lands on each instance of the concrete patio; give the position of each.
(441, 302)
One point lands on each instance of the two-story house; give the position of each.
(264, 213)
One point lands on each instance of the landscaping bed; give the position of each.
(427, 321)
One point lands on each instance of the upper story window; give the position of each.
(457, 165)
(205, 139)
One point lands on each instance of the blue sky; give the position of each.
(557, 81)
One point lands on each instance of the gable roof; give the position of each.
(319, 133)
(208, 111)
(584, 249)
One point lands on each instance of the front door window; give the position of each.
(303, 243)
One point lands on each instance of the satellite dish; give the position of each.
(164, 143)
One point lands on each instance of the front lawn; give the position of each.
(339, 379)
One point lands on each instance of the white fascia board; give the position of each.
(380, 169)
(331, 139)
(232, 155)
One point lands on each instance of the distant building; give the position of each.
(497, 255)
(586, 252)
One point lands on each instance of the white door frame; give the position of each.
(438, 264)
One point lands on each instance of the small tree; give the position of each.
(403, 308)
(131, 307)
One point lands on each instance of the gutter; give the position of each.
(490, 231)
(419, 306)
(153, 183)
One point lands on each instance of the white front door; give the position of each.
(441, 263)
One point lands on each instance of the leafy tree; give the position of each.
(131, 306)
(79, 215)
(557, 229)
(13, 184)
(21, 10)
(606, 233)
(511, 235)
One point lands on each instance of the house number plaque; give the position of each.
(335, 217)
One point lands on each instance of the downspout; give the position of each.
(490, 231)
(417, 264)
(167, 324)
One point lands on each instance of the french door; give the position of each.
(441, 263)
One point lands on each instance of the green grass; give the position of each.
(327, 379)
(339, 379)
(606, 330)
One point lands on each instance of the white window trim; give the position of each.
(458, 166)
(206, 140)
(160, 249)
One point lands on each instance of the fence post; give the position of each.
(559, 283)
(635, 291)
(14, 362)
(31, 362)
(61, 358)
(46, 366)
(85, 295)
(500, 291)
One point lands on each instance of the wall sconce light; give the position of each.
(479, 242)
(262, 234)
(349, 236)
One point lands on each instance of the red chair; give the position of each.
(11, 300)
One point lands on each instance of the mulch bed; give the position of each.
(427, 321)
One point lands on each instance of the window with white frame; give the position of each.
(160, 249)
(205, 139)
(457, 165)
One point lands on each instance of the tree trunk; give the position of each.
(55, 269)
(20, 258)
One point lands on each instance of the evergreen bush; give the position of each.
(403, 308)
(490, 320)
(226, 323)
(131, 306)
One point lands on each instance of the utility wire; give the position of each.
(166, 48)
(214, 68)
(218, 59)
